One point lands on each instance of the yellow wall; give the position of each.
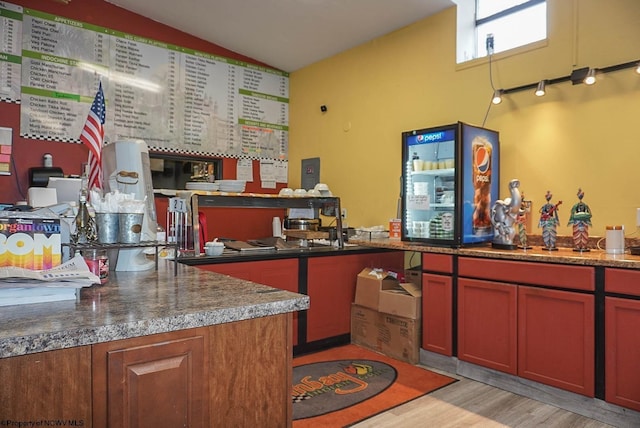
(575, 136)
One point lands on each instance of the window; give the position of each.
(512, 23)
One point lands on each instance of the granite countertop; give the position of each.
(563, 255)
(135, 304)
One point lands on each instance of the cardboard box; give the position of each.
(391, 335)
(369, 284)
(30, 240)
(414, 276)
(404, 301)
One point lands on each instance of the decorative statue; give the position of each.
(581, 220)
(521, 220)
(549, 222)
(504, 216)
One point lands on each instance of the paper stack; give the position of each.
(20, 286)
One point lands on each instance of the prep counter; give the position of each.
(144, 335)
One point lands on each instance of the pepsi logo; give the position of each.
(483, 160)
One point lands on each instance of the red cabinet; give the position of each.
(622, 320)
(556, 338)
(437, 300)
(282, 274)
(487, 332)
(537, 332)
(331, 286)
(622, 338)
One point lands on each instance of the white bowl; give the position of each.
(321, 187)
(299, 192)
(286, 192)
(313, 192)
(213, 248)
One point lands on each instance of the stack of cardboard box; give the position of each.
(386, 315)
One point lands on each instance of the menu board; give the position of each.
(175, 99)
(10, 50)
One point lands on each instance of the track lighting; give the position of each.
(590, 79)
(586, 75)
(497, 96)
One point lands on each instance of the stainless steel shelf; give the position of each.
(329, 206)
(118, 246)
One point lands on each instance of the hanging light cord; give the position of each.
(15, 174)
(493, 90)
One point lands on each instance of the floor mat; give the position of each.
(344, 385)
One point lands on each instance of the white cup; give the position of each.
(277, 227)
(614, 240)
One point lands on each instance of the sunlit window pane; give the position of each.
(489, 7)
(520, 28)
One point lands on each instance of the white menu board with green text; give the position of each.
(175, 99)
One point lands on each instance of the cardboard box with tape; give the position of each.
(391, 335)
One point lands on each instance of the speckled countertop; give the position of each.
(137, 304)
(563, 255)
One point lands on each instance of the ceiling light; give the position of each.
(497, 96)
(540, 90)
(591, 77)
(638, 68)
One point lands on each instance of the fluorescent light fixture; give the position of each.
(540, 90)
(638, 68)
(497, 96)
(590, 79)
(136, 82)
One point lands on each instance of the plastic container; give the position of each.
(98, 263)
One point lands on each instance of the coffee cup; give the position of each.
(614, 240)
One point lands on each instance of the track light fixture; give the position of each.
(497, 96)
(578, 76)
(590, 79)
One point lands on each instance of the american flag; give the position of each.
(92, 136)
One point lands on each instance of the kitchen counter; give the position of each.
(136, 304)
(536, 254)
(232, 256)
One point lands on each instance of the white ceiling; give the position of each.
(286, 34)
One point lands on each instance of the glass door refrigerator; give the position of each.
(450, 182)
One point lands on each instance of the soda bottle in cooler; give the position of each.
(481, 150)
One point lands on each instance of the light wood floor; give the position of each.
(468, 403)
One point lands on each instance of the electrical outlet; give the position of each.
(638, 217)
(343, 212)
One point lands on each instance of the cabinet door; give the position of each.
(556, 338)
(437, 313)
(487, 333)
(158, 385)
(54, 385)
(152, 381)
(622, 331)
(282, 274)
(332, 285)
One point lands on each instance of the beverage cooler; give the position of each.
(450, 183)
